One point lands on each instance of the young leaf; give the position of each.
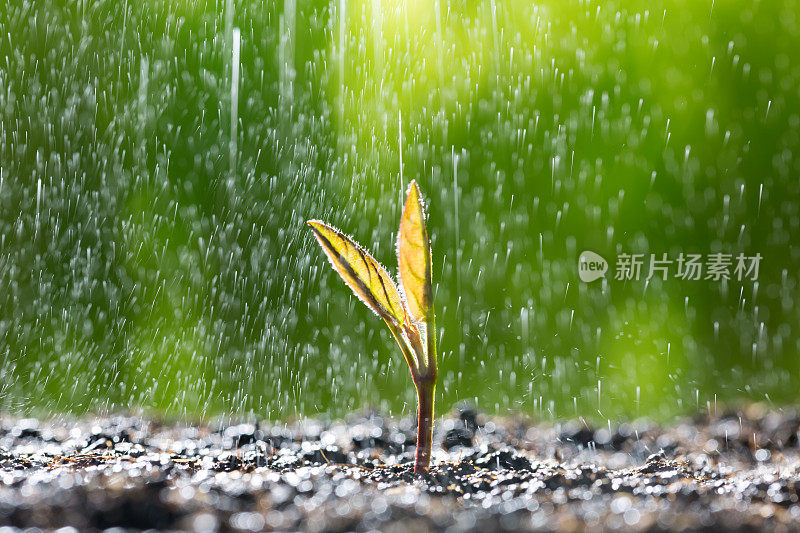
(414, 257)
(361, 272)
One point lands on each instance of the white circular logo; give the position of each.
(591, 266)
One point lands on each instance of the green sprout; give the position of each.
(407, 310)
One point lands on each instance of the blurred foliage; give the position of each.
(150, 259)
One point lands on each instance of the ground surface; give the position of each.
(738, 471)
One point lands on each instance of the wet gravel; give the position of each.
(736, 471)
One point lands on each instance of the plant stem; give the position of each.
(425, 390)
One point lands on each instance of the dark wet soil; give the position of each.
(737, 471)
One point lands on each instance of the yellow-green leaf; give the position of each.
(361, 272)
(414, 257)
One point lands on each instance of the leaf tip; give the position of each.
(413, 190)
(317, 226)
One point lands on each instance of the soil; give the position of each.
(736, 471)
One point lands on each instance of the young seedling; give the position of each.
(407, 310)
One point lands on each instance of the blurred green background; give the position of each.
(158, 159)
